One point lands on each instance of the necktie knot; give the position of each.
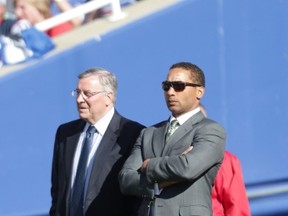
(172, 127)
(91, 130)
(174, 123)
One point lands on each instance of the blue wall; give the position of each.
(241, 45)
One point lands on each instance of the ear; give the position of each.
(109, 98)
(200, 92)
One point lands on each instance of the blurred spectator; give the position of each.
(59, 6)
(106, 10)
(9, 6)
(6, 19)
(35, 11)
(229, 196)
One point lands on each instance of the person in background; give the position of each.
(7, 19)
(30, 12)
(106, 10)
(229, 196)
(90, 187)
(172, 177)
(59, 6)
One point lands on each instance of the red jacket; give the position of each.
(229, 196)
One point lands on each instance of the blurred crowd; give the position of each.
(21, 41)
(16, 15)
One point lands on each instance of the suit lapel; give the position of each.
(185, 128)
(159, 144)
(71, 148)
(98, 174)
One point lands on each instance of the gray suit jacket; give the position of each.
(194, 172)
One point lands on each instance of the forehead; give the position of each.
(20, 2)
(90, 81)
(179, 74)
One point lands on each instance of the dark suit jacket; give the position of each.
(103, 193)
(195, 171)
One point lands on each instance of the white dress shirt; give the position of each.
(101, 127)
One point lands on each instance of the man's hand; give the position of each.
(164, 184)
(187, 150)
(168, 183)
(144, 166)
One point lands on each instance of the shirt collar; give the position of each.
(103, 123)
(183, 118)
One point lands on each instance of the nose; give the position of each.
(80, 98)
(170, 90)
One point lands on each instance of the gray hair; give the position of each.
(106, 79)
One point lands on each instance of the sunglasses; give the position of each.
(178, 86)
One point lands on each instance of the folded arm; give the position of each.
(208, 149)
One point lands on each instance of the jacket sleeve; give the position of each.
(131, 180)
(54, 176)
(208, 149)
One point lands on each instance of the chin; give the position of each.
(82, 116)
(172, 109)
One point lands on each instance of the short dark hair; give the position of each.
(197, 74)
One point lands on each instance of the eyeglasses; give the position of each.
(85, 94)
(178, 86)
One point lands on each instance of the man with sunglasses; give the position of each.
(172, 177)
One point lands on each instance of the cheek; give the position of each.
(32, 15)
(19, 13)
(25, 14)
(96, 106)
(188, 99)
